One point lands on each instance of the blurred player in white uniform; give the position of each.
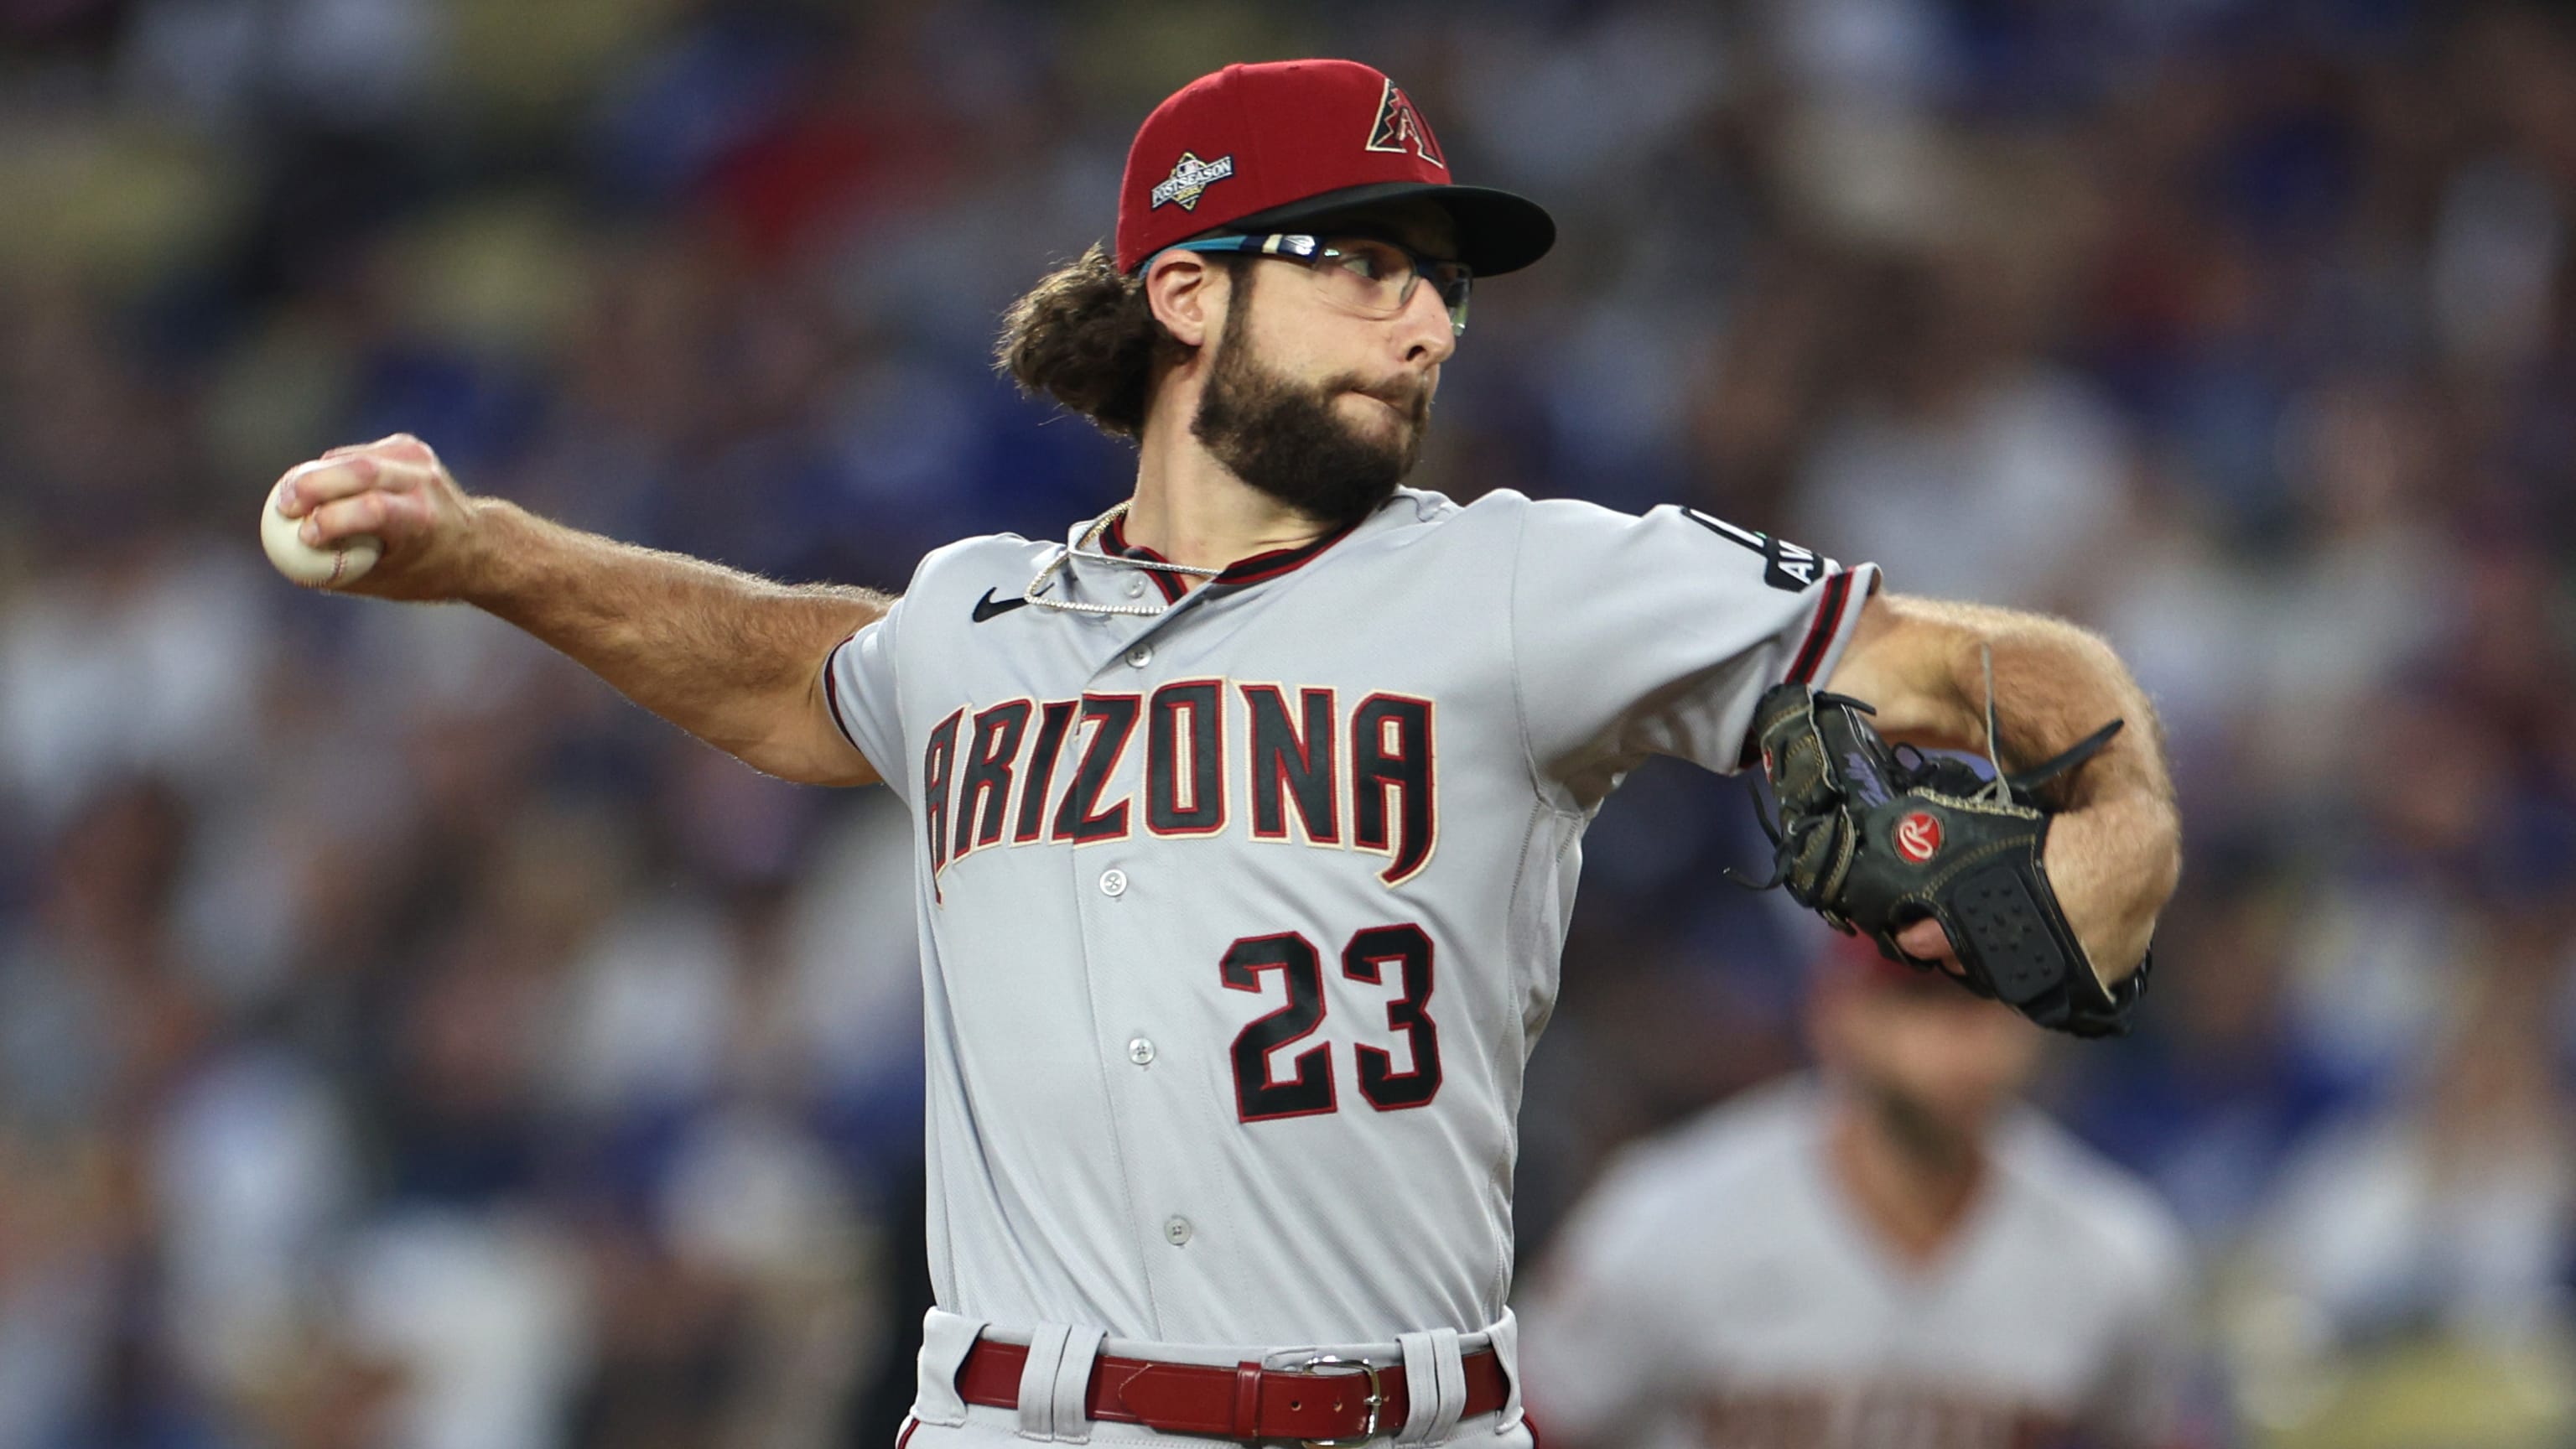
(1890, 1253)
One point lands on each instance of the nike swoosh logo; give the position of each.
(986, 607)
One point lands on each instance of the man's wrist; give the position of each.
(2113, 865)
(492, 564)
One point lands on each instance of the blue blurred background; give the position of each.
(404, 1042)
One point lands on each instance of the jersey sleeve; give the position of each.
(859, 686)
(1647, 635)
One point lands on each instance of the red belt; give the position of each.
(1329, 1399)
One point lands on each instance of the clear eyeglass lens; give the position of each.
(1367, 275)
(1455, 283)
(1379, 279)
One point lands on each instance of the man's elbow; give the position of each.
(834, 762)
(804, 743)
(1901, 662)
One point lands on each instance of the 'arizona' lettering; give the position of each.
(989, 776)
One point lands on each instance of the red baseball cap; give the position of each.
(1276, 146)
(1859, 961)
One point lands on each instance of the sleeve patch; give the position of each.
(1785, 565)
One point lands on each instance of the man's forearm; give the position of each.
(2118, 840)
(2054, 684)
(731, 658)
(2115, 851)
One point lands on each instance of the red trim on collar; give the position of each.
(1114, 540)
(1259, 568)
(1279, 561)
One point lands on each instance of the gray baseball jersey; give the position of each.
(1718, 1289)
(1239, 914)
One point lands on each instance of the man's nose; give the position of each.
(1423, 329)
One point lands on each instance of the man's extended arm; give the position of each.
(734, 659)
(2115, 853)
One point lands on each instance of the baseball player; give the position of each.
(1888, 1254)
(1249, 812)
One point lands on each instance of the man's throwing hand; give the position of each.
(396, 491)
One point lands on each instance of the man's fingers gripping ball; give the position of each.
(329, 521)
(295, 544)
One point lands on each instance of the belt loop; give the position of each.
(1505, 1336)
(1435, 1385)
(1247, 1399)
(1452, 1365)
(946, 1338)
(1037, 1380)
(1421, 1388)
(1072, 1387)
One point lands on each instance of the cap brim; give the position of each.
(1498, 231)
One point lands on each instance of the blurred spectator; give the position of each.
(2409, 1278)
(1964, 469)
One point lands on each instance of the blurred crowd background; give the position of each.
(405, 1042)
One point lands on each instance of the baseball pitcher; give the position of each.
(1248, 814)
(1889, 1253)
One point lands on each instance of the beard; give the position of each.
(1937, 1141)
(1285, 439)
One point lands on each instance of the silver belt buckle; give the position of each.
(1376, 1400)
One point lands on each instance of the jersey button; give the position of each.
(1140, 656)
(1177, 1231)
(1113, 883)
(1140, 1051)
(1135, 588)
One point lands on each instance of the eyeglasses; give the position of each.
(1366, 275)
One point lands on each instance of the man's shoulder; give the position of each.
(2100, 1211)
(1582, 534)
(954, 576)
(996, 554)
(1506, 508)
(1416, 528)
(1743, 1144)
(1498, 508)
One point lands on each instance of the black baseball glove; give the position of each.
(1875, 838)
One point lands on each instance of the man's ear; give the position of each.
(1188, 296)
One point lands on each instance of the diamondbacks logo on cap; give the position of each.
(1190, 178)
(1399, 127)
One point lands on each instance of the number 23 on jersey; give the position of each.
(1310, 1089)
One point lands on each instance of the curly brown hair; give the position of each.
(1086, 336)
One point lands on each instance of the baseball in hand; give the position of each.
(315, 568)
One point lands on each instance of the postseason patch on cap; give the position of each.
(1190, 178)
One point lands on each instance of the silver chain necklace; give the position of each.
(1083, 549)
